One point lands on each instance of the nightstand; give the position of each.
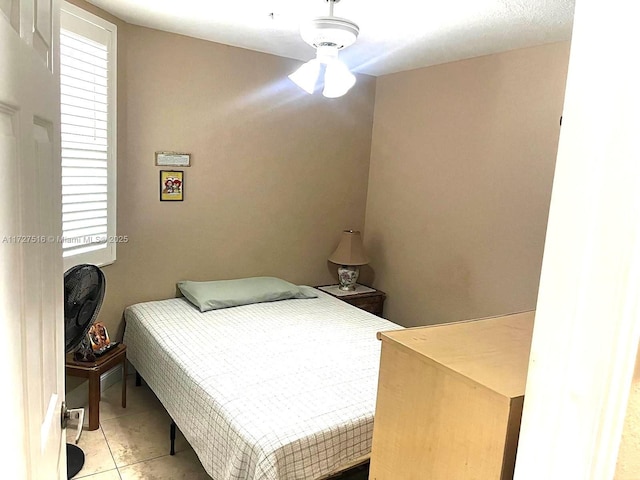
(92, 370)
(365, 298)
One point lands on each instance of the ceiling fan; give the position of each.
(327, 35)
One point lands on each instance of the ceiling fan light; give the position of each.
(338, 80)
(306, 76)
(327, 53)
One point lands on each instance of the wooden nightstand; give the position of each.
(371, 301)
(92, 371)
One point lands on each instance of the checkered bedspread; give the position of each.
(271, 391)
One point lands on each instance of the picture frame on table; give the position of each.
(99, 338)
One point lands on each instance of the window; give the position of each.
(88, 128)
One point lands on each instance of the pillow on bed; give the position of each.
(232, 293)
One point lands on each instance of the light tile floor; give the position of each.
(133, 443)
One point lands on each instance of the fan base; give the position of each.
(75, 460)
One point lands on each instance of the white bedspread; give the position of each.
(272, 391)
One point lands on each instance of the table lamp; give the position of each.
(349, 255)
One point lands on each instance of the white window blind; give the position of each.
(87, 87)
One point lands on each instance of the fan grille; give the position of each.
(84, 288)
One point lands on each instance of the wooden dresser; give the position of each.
(450, 400)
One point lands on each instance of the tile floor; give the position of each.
(133, 443)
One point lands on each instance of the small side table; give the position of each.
(363, 297)
(92, 371)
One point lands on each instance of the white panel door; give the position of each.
(31, 326)
(587, 325)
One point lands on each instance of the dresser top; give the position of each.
(493, 352)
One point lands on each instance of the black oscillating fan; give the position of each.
(84, 287)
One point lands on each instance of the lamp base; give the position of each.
(348, 276)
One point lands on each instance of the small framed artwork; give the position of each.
(171, 185)
(99, 338)
(173, 159)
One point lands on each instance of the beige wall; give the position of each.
(461, 159)
(460, 180)
(276, 174)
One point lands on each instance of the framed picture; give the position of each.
(173, 159)
(99, 338)
(171, 185)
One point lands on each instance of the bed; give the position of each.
(279, 390)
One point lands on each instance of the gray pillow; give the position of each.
(244, 291)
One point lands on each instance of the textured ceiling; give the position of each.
(394, 36)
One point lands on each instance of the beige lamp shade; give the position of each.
(350, 250)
